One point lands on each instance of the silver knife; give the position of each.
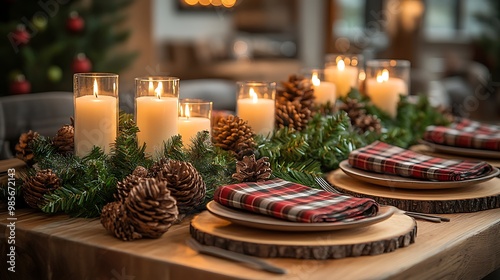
(218, 252)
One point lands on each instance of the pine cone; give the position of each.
(64, 139)
(297, 88)
(23, 147)
(35, 187)
(234, 134)
(150, 208)
(368, 123)
(185, 184)
(353, 108)
(155, 169)
(124, 187)
(140, 171)
(114, 219)
(292, 115)
(250, 170)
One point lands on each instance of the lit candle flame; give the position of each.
(315, 80)
(253, 95)
(96, 89)
(151, 87)
(341, 65)
(159, 89)
(186, 112)
(383, 77)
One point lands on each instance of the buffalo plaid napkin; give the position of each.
(294, 202)
(465, 133)
(381, 157)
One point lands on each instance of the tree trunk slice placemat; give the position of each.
(396, 232)
(482, 196)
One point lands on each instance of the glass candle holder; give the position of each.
(256, 105)
(342, 70)
(194, 116)
(324, 91)
(386, 80)
(96, 111)
(156, 111)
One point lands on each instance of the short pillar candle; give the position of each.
(194, 117)
(324, 92)
(156, 111)
(96, 111)
(256, 105)
(343, 71)
(386, 80)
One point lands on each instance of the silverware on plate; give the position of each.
(249, 260)
(431, 218)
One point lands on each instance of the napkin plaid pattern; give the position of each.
(294, 202)
(465, 133)
(384, 158)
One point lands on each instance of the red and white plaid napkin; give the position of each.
(384, 158)
(465, 133)
(294, 202)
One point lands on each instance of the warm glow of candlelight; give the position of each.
(341, 65)
(253, 95)
(158, 90)
(96, 89)
(315, 80)
(384, 77)
(186, 112)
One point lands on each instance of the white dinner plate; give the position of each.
(394, 181)
(459, 151)
(255, 220)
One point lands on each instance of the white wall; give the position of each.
(169, 24)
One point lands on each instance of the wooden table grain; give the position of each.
(59, 247)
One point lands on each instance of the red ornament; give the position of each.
(81, 64)
(20, 85)
(20, 36)
(75, 23)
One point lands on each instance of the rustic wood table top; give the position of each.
(59, 247)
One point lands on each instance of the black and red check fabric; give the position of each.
(384, 158)
(294, 202)
(465, 133)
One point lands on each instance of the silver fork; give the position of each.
(431, 218)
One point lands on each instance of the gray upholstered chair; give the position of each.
(221, 92)
(43, 112)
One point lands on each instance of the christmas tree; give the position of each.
(45, 42)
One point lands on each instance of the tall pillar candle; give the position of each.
(194, 117)
(156, 111)
(342, 70)
(386, 81)
(256, 105)
(96, 111)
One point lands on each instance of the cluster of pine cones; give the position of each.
(294, 103)
(148, 202)
(63, 141)
(360, 120)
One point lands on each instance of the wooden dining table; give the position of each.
(61, 247)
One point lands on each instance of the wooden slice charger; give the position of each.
(396, 232)
(478, 197)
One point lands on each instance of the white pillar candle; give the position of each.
(384, 92)
(190, 126)
(324, 92)
(258, 112)
(95, 121)
(156, 118)
(343, 76)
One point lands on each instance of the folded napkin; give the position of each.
(465, 133)
(294, 202)
(384, 158)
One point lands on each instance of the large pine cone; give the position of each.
(292, 115)
(35, 187)
(64, 139)
(23, 147)
(353, 108)
(251, 170)
(150, 208)
(114, 219)
(297, 88)
(368, 123)
(234, 134)
(185, 184)
(124, 187)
